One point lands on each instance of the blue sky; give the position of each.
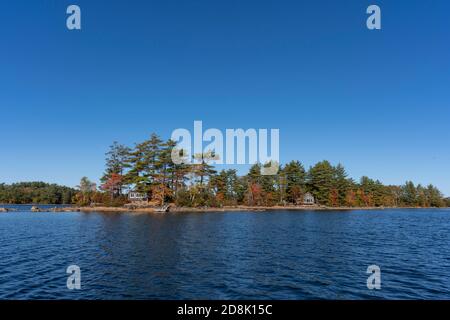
(376, 101)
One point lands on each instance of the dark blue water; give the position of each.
(268, 255)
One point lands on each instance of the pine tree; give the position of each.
(116, 163)
(435, 197)
(342, 184)
(294, 176)
(409, 194)
(144, 164)
(201, 168)
(320, 181)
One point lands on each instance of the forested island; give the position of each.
(148, 169)
(36, 192)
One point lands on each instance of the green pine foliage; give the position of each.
(35, 192)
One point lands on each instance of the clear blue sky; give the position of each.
(377, 101)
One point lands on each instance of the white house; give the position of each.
(308, 199)
(136, 196)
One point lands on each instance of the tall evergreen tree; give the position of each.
(409, 194)
(144, 164)
(202, 169)
(117, 161)
(320, 181)
(293, 177)
(342, 184)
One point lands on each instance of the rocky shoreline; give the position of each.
(175, 209)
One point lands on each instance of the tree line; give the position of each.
(36, 192)
(147, 168)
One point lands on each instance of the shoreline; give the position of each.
(173, 209)
(235, 209)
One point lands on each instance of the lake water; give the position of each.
(236, 255)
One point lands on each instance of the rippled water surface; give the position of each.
(265, 255)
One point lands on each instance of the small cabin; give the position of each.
(308, 199)
(136, 196)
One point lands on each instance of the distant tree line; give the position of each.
(147, 168)
(35, 192)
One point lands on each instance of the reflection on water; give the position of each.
(265, 255)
